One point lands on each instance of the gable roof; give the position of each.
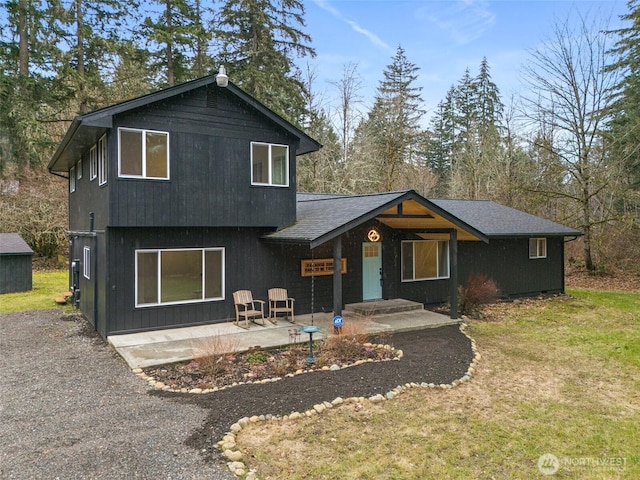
(85, 130)
(13, 244)
(495, 220)
(322, 217)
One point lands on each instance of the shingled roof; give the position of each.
(321, 217)
(85, 130)
(13, 244)
(495, 220)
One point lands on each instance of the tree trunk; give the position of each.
(83, 107)
(169, 48)
(23, 54)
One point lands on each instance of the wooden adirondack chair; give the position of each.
(247, 307)
(280, 302)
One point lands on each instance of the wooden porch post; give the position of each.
(337, 276)
(453, 272)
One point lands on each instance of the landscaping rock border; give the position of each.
(158, 385)
(234, 456)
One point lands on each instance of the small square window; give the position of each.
(537, 248)
(143, 154)
(269, 164)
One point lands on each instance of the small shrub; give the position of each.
(215, 355)
(479, 290)
(256, 357)
(348, 344)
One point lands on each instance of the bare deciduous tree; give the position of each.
(569, 92)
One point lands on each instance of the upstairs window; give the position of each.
(98, 161)
(93, 163)
(143, 154)
(102, 160)
(425, 260)
(72, 179)
(537, 248)
(269, 164)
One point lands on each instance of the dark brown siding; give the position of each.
(15, 273)
(507, 262)
(210, 168)
(89, 197)
(248, 265)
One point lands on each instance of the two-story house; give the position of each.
(180, 197)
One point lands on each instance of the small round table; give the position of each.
(310, 329)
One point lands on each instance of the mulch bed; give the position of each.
(438, 355)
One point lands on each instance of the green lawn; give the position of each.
(558, 376)
(46, 287)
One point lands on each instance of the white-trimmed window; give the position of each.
(173, 276)
(537, 248)
(72, 179)
(93, 163)
(102, 160)
(425, 260)
(143, 154)
(269, 164)
(79, 169)
(86, 262)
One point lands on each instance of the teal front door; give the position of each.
(371, 271)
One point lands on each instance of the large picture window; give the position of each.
(143, 154)
(425, 260)
(179, 276)
(269, 164)
(537, 248)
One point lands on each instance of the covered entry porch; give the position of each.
(357, 231)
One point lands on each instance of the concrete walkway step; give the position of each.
(382, 307)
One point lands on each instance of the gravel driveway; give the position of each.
(71, 409)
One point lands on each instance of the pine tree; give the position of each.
(394, 118)
(625, 126)
(173, 33)
(259, 41)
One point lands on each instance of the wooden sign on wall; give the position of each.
(320, 266)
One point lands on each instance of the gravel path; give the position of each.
(71, 409)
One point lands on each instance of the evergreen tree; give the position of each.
(394, 118)
(172, 34)
(259, 41)
(625, 126)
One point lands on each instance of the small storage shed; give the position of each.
(15, 264)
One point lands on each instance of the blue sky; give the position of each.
(442, 37)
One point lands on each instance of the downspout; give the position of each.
(94, 259)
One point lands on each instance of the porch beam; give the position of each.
(453, 272)
(337, 276)
(402, 215)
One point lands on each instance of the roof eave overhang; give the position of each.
(94, 124)
(410, 195)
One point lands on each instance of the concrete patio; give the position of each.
(159, 347)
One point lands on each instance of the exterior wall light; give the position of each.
(221, 78)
